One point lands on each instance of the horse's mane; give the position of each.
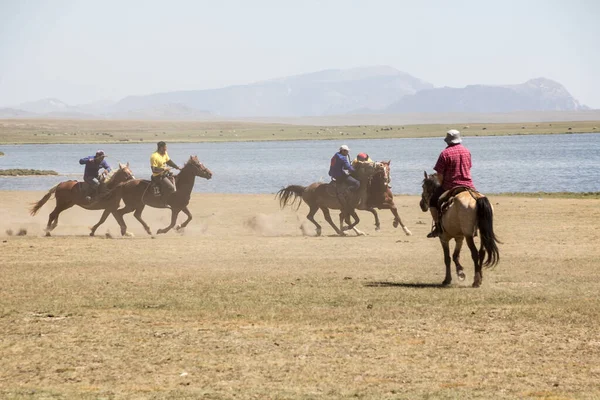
(110, 175)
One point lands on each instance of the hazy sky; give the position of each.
(86, 50)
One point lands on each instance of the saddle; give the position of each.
(155, 186)
(447, 198)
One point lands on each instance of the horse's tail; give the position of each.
(485, 221)
(36, 206)
(290, 195)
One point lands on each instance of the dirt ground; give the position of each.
(243, 305)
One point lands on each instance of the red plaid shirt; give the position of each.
(454, 165)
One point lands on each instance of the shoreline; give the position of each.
(38, 132)
(552, 195)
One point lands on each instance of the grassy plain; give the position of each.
(242, 305)
(109, 131)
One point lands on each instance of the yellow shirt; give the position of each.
(159, 161)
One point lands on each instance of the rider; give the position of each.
(159, 160)
(340, 169)
(90, 175)
(453, 169)
(364, 157)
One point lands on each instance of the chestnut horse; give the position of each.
(323, 196)
(468, 212)
(71, 193)
(380, 196)
(136, 195)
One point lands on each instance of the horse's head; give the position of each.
(198, 168)
(126, 171)
(430, 183)
(384, 166)
(122, 174)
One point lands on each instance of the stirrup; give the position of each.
(435, 232)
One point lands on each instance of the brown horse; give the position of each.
(136, 195)
(323, 196)
(71, 193)
(466, 213)
(380, 196)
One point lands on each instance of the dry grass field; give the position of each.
(243, 306)
(115, 131)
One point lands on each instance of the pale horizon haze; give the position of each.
(87, 51)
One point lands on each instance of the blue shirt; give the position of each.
(339, 164)
(92, 168)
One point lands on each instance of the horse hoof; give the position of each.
(92, 234)
(446, 282)
(377, 228)
(318, 232)
(48, 234)
(129, 234)
(461, 276)
(395, 224)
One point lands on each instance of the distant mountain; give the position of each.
(15, 113)
(538, 94)
(328, 92)
(365, 92)
(46, 106)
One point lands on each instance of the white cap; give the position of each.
(453, 137)
(344, 147)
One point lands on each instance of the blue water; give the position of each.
(551, 163)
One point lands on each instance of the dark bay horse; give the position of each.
(136, 195)
(468, 212)
(71, 193)
(323, 196)
(380, 196)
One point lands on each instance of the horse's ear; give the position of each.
(127, 164)
(389, 162)
(120, 166)
(425, 172)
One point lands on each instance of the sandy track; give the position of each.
(242, 305)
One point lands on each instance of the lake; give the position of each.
(550, 163)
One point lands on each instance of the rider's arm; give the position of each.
(172, 164)
(347, 164)
(84, 160)
(105, 165)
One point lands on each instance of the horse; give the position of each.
(70, 193)
(324, 196)
(136, 195)
(381, 196)
(467, 212)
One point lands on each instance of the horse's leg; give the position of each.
(138, 215)
(118, 214)
(477, 260)
(447, 261)
(53, 217)
(311, 217)
(374, 212)
(327, 215)
(187, 221)
(456, 258)
(356, 221)
(105, 215)
(174, 213)
(397, 221)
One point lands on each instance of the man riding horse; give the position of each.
(91, 174)
(340, 169)
(161, 175)
(453, 169)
